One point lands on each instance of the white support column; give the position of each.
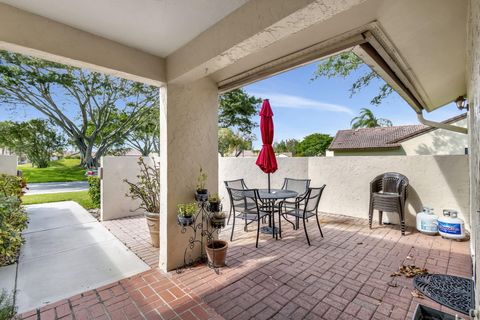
(188, 141)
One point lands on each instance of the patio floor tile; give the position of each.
(345, 275)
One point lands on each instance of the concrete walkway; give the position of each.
(56, 187)
(67, 252)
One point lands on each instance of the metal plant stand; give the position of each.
(202, 233)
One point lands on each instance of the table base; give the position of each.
(268, 230)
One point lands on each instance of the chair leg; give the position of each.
(280, 223)
(233, 227)
(258, 232)
(318, 224)
(229, 214)
(306, 233)
(370, 214)
(402, 220)
(380, 217)
(274, 233)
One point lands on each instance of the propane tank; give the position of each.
(450, 226)
(427, 221)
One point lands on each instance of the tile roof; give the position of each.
(381, 137)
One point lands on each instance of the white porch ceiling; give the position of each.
(158, 27)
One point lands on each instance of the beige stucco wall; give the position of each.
(473, 93)
(114, 203)
(436, 181)
(8, 164)
(438, 142)
(235, 168)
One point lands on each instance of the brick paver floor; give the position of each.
(133, 232)
(345, 275)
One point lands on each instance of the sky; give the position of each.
(302, 106)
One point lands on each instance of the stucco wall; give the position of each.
(473, 93)
(436, 181)
(236, 168)
(8, 164)
(114, 203)
(438, 142)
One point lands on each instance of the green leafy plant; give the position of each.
(94, 189)
(7, 308)
(12, 186)
(13, 220)
(147, 189)
(187, 210)
(214, 198)
(201, 180)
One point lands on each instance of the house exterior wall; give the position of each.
(8, 164)
(438, 142)
(440, 182)
(473, 94)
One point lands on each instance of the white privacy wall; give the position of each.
(8, 165)
(114, 203)
(436, 181)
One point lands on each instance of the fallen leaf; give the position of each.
(417, 294)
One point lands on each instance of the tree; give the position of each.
(82, 103)
(314, 145)
(146, 137)
(229, 141)
(288, 145)
(367, 119)
(36, 139)
(236, 110)
(346, 63)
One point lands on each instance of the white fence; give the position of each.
(8, 164)
(435, 181)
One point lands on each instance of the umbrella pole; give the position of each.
(269, 183)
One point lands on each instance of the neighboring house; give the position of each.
(401, 140)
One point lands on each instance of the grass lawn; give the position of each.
(58, 171)
(81, 197)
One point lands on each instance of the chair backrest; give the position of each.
(313, 198)
(241, 196)
(300, 186)
(392, 182)
(236, 184)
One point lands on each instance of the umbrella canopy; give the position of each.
(266, 159)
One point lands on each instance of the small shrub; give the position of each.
(7, 309)
(94, 189)
(12, 186)
(13, 220)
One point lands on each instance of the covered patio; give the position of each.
(428, 51)
(346, 275)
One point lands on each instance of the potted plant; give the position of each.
(185, 213)
(216, 252)
(214, 203)
(147, 190)
(201, 193)
(217, 221)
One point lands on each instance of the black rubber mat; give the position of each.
(453, 292)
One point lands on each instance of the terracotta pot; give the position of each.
(153, 222)
(217, 252)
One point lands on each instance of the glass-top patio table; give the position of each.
(270, 199)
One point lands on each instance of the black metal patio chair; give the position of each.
(237, 184)
(388, 192)
(308, 210)
(301, 187)
(246, 212)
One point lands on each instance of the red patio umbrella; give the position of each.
(266, 159)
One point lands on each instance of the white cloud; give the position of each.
(280, 100)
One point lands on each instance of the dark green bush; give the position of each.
(12, 186)
(13, 220)
(7, 309)
(94, 190)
